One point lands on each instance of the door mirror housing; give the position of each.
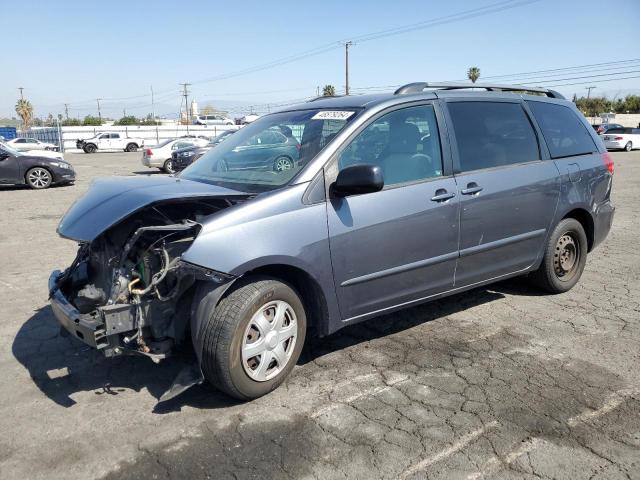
(357, 180)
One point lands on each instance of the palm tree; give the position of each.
(329, 91)
(473, 74)
(24, 109)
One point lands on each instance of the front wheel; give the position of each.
(564, 258)
(168, 166)
(90, 148)
(38, 178)
(628, 147)
(253, 338)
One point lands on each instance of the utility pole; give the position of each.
(21, 89)
(99, 113)
(185, 93)
(346, 66)
(66, 111)
(588, 89)
(153, 115)
(317, 91)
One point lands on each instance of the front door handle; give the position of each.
(472, 189)
(442, 195)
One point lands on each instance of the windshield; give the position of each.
(166, 142)
(10, 150)
(269, 152)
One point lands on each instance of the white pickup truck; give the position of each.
(110, 141)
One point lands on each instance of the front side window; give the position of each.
(404, 143)
(492, 134)
(269, 152)
(563, 131)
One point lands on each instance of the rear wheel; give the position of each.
(628, 147)
(168, 166)
(131, 147)
(564, 258)
(38, 178)
(253, 338)
(282, 164)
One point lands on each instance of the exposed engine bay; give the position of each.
(129, 286)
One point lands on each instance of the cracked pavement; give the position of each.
(500, 382)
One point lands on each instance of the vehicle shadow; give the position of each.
(149, 172)
(62, 366)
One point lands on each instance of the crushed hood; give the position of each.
(110, 200)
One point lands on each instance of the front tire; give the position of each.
(168, 166)
(90, 148)
(564, 258)
(253, 338)
(628, 147)
(38, 178)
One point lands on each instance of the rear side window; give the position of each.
(492, 134)
(563, 131)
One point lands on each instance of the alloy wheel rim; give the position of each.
(269, 340)
(283, 164)
(566, 257)
(39, 177)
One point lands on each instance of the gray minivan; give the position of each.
(393, 200)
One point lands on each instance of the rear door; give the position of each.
(508, 192)
(398, 245)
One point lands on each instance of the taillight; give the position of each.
(618, 138)
(149, 152)
(600, 130)
(608, 161)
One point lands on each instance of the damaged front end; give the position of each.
(128, 290)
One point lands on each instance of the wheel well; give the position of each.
(311, 293)
(586, 221)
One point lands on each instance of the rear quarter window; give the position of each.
(563, 131)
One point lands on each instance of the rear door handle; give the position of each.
(442, 195)
(472, 188)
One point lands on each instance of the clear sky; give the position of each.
(73, 51)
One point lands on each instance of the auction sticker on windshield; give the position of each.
(332, 115)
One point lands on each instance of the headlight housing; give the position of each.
(61, 165)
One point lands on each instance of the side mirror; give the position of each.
(358, 179)
(3, 156)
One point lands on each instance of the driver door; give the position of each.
(9, 168)
(398, 245)
(104, 141)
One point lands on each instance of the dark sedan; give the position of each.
(35, 171)
(183, 157)
(275, 149)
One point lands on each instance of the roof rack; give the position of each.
(321, 97)
(418, 87)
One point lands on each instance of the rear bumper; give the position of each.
(614, 145)
(602, 221)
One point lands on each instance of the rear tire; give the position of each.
(628, 147)
(564, 258)
(131, 147)
(253, 338)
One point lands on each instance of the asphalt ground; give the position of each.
(500, 382)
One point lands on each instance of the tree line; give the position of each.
(593, 106)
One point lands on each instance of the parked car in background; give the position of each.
(217, 119)
(24, 144)
(32, 168)
(110, 141)
(252, 117)
(159, 156)
(622, 139)
(181, 159)
(395, 200)
(604, 127)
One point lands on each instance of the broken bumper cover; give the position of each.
(89, 328)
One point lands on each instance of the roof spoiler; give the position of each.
(418, 87)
